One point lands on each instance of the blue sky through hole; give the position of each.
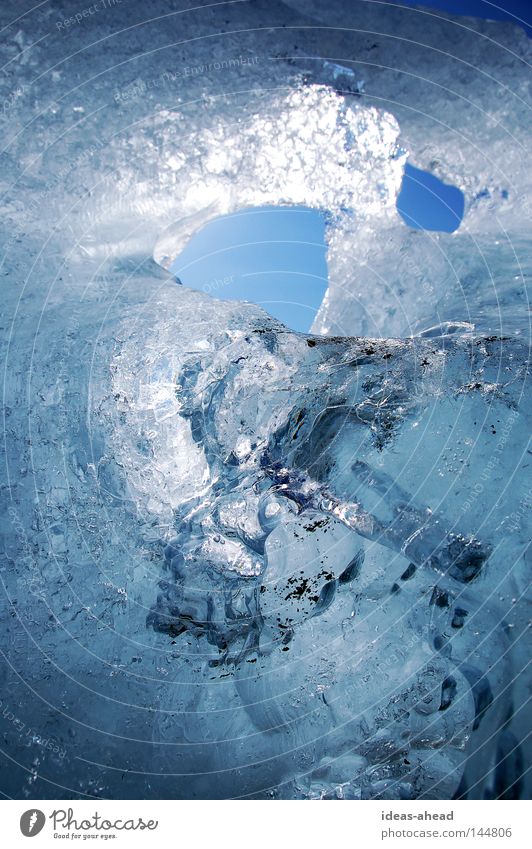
(276, 256)
(426, 203)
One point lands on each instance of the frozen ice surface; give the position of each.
(240, 561)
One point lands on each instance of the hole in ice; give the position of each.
(273, 256)
(426, 203)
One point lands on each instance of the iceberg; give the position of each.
(240, 561)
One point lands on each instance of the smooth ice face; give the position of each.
(239, 561)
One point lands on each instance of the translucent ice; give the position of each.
(240, 561)
(383, 652)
